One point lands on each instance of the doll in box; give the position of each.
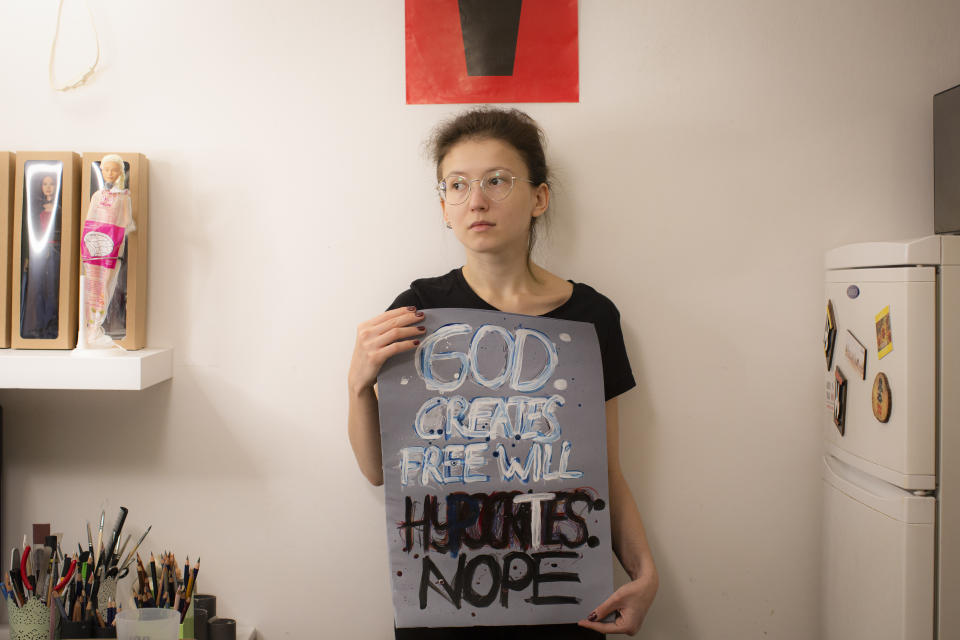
(40, 262)
(109, 220)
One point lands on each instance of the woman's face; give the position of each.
(482, 224)
(47, 186)
(111, 171)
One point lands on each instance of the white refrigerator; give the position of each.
(891, 431)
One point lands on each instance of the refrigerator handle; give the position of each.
(875, 493)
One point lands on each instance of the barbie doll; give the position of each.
(40, 288)
(109, 219)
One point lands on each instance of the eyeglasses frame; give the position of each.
(441, 190)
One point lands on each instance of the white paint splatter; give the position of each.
(534, 499)
(564, 337)
(404, 380)
(560, 384)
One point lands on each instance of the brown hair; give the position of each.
(512, 126)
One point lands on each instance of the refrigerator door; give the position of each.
(878, 558)
(902, 450)
(948, 494)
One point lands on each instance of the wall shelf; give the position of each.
(131, 370)
(244, 632)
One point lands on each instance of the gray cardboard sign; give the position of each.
(495, 465)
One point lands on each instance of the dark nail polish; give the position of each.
(416, 342)
(592, 617)
(411, 308)
(421, 328)
(419, 314)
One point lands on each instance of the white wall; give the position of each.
(719, 148)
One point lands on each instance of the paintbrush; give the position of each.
(129, 557)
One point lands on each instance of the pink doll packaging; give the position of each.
(113, 251)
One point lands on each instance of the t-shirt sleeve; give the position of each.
(406, 299)
(617, 374)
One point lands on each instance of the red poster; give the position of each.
(492, 51)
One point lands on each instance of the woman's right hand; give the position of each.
(379, 338)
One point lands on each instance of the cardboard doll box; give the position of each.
(7, 162)
(46, 236)
(127, 317)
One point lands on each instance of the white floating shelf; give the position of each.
(244, 632)
(130, 370)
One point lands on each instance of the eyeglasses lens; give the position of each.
(454, 189)
(496, 185)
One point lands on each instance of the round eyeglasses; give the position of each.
(496, 185)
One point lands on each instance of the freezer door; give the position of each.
(902, 450)
(878, 559)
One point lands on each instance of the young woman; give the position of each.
(494, 189)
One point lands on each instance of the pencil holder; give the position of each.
(108, 592)
(222, 629)
(70, 629)
(207, 602)
(188, 626)
(29, 622)
(200, 624)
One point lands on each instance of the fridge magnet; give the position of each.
(856, 353)
(840, 402)
(884, 335)
(881, 397)
(829, 334)
(829, 396)
(492, 51)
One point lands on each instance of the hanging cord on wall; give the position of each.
(82, 80)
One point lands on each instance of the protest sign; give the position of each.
(495, 466)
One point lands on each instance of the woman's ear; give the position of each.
(542, 201)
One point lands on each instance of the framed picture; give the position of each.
(474, 51)
(840, 401)
(829, 334)
(856, 353)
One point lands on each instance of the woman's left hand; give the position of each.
(630, 604)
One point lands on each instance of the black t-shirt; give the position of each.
(585, 305)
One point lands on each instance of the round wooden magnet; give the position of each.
(881, 398)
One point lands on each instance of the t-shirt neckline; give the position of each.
(462, 281)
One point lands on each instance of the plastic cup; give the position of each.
(148, 624)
